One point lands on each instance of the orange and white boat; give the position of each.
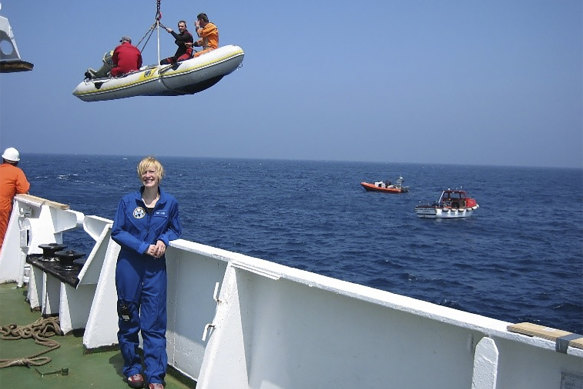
(386, 186)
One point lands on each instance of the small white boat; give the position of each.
(186, 77)
(453, 203)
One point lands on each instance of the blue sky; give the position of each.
(461, 82)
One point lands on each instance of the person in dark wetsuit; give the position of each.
(183, 51)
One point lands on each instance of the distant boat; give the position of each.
(386, 186)
(453, 203)
(184, 78)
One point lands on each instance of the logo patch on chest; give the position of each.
(139, 213)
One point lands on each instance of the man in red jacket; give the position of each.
(126, 57)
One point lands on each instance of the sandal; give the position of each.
(136, 381)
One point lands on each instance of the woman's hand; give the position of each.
(157, 250)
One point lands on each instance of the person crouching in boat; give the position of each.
(145, 222)
(126, 58)
(183, 52)
(208, 35)
(104, 70)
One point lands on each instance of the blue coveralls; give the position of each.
(141, 282)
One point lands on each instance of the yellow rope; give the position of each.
(40, 331)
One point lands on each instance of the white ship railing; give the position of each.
(236, 321)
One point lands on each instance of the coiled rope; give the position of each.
(40, 331)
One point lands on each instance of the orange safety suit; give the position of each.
(209, 38)
(12, 182)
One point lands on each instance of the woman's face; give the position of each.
(150, 177)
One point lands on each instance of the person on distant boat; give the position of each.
(104, 70)
(126, 57)
(12, 182)
(144, 224)
(183, 52)
(208, 35)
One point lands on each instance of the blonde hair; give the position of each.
(148, 163)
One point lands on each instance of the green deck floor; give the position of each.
(101, 369)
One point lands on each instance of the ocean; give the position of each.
(518, 258)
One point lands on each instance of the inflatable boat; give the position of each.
(186, 77)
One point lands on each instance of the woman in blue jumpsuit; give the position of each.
(145, 222)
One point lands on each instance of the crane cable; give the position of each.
(158, 17)
(155, 26)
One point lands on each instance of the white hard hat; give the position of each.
(11, 154)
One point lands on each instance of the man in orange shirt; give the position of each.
(208, 35)
(12, 182)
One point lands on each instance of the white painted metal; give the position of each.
(101, 328)
(8, 48)
(11, 259)
(50, 294)
(444, 213)
(33, 221)
(76, 302)
(99, 229)
(485, 365)
(35, 286)
(274, 326)
(192, 276)
(74, 306)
